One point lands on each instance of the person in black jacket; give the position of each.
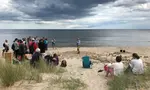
(42, 46)
(21, 50)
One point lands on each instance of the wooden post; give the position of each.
(8, 57)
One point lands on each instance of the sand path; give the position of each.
(93, 79)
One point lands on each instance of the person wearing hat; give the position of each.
(35, 58)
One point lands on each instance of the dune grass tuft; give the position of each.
(130, 81)
(11, 73)
(69, 84)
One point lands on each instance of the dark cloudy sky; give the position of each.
(67, 14)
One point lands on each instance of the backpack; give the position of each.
(4, 45)
(13, 47)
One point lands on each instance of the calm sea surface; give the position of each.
(89, 38)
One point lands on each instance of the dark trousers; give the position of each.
(16, 52)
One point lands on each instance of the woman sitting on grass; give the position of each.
(116, 68)
(136, 65)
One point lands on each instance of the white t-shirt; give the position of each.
(118, 68)
(137, 66)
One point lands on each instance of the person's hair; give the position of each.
(63, 63)
(55, 55)
(135, 55)
(118, 58)
(6, 40)
(20, 41)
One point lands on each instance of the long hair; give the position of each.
(135, 55)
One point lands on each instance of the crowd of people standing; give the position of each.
(28, 45)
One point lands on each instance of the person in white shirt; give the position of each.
(136, 64)
(116, 68)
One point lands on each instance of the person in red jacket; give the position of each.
(33, 46)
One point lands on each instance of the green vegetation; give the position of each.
(69, 84)
(130, 81)
(10, 73)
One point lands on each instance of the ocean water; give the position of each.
(89, 37)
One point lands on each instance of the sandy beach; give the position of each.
(94, 80)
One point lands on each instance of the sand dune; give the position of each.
(93, 79)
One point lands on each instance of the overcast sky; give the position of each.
(74, 14)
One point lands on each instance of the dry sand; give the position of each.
(93, 79)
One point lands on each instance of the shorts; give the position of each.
(108, 69)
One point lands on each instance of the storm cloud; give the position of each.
(56, 9)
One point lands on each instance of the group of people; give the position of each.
(135, 66)
(28, 46)
(37, 47)
(49, 59)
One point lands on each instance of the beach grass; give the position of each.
(130, 81)
(11, 73)
(69, 84)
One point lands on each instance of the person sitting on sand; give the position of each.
(35, 57)
(48, 58)
(55, 59)
(114, 68)
(136, 65)
(63, 63)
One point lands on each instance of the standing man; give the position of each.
(53, 43)
(6, 47)
(78, 45)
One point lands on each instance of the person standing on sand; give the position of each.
(35, 58)
(46, 44)
(41, 46)
(16, 47)
(78, 45)
(53, 43)
(21, 50)
(6, 47)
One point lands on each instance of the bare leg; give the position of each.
(107, 73)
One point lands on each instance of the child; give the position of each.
(63, 63)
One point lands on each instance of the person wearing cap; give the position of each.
(35, 57)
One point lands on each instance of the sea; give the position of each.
(88, 37)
